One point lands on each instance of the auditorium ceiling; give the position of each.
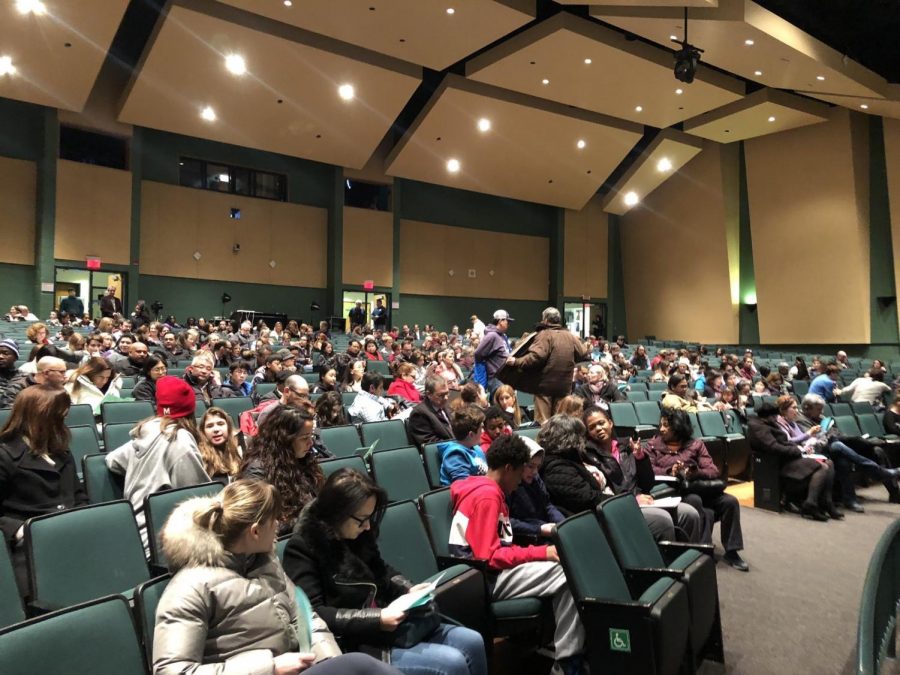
(537, 100)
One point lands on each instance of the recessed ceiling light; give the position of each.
(545, 81)
(288, 3)
(6, 66)
(235, 64)
(581, 144)
(749, 43)
(223, 177)
(664, 164)
(679, 91)
(771, 118)
(31, 7)
(820, 78)
(208, 114)
(673, 37)
(450, 10)
(346, 92)
(864, 106)
(757, 72)
(638, 108)
(453, 165)
(631, 198)
(588, 62)
(484, 124)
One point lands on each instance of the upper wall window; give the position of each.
(91, 147)
(198, 173)
(367, 195)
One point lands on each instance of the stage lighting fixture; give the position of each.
(687, 58)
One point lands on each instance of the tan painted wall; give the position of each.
(429, 251)
(93, 212)
(586, 251)
(18, 194)
(892, 157)
(675, 257)
(808, 198)
(177, 221)
(368, 246)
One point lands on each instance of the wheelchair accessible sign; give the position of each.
(620, 640)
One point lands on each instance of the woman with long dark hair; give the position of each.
(37, 472)
(92, 382)
(333, 556)
(218, 446)
(280, 454)
(153, 369)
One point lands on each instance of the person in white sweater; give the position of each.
(869, 389)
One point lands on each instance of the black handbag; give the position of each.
(419, 624)
(703, 487)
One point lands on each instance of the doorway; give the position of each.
(586, 318)
(369, 300)
(89, 287)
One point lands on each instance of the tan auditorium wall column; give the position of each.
(809, 209)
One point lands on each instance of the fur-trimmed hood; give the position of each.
(186, 544)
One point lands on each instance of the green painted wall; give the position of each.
(881, 251)
(308, 182)
(200, 297)
(17, 287)
(616, 323)
(21, 129)
(748, 319)
(445, 312)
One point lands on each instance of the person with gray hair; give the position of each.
(429, 422)
(546, 367)
(847, 452)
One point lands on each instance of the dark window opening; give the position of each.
(198, 173)
(367, 195)
(90, 147)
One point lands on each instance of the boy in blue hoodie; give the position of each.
(463, 457)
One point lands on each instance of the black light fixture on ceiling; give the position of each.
(687, 58)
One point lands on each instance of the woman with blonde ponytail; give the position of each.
(230, 608)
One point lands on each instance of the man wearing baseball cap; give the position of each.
(162, 452)
(492, 352)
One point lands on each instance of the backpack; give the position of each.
(248, 418)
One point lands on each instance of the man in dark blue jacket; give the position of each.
(530, 510)
(493, 350)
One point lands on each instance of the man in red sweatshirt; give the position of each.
(481, 529)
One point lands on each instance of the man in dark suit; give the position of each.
(357, 316)
(72, 305)
(109, 303)
(429, 422)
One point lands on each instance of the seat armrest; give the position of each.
(672, 549)
(445, 561)
(639, 579)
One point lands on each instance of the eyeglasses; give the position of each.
(362, 521)
(304, 437)
(55, 370)
(302, 393)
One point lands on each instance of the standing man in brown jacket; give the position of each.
(546, 368)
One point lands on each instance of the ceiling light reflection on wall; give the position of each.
(581, 144)
(679, 92)
(757, 72)
(820, 78)
(235, 64)
(588, 62)
(484, 124)
(545, 81)
(863, 106)
(638, 108)
(664, 164)
(749, 43)
(453, 165)
(288, 3)
(771, 118)
(450, 10)
(631, 198)
(35, 7)
(6, 66)
(346, 92)
(208, 114)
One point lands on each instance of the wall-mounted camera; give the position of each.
(236, 249)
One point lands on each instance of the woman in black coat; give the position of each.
(37, 472)
(333, 556)
(575, 484)
(804, 477)
(153, 369)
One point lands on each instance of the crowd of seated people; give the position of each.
(503, 485)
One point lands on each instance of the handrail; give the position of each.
(880, 602)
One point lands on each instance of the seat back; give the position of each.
(342, 441)
(591, 568)
(101, 484)
(381, 367)
(400, 472)
(647, 412)
(628, 532)
(11, 610)
(263, 388)
(234, 407)
(437, 514)
(159, 506)
(432, 458)
(841, 409)
(116, 435)
(329, 466)
(199, 409)
(95, 637)
(84, 442)
(862, 408)
(5, 414)
(348, 397)
(733, 422)
(801, 387)
(530, 432)
(84, 553)
(868, 424)
(126, 412)
(390, 434)
(403, 542)
(281, 544)
(657, 386)
(847, 425)
(80, 415)
(712, 424)
(637, 395)
(146, 599)
(623, 415)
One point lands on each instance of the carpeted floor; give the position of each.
(796, 610)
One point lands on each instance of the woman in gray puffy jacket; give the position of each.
(230, 608)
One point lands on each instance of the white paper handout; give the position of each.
(411, 600)
(664, 503)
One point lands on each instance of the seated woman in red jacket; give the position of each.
(404, 386)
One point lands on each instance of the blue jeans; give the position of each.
(844, 458)
(451, 650)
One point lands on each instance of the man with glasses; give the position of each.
(133, 364)
(200, 375)
(292, 390)
(429, 421)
